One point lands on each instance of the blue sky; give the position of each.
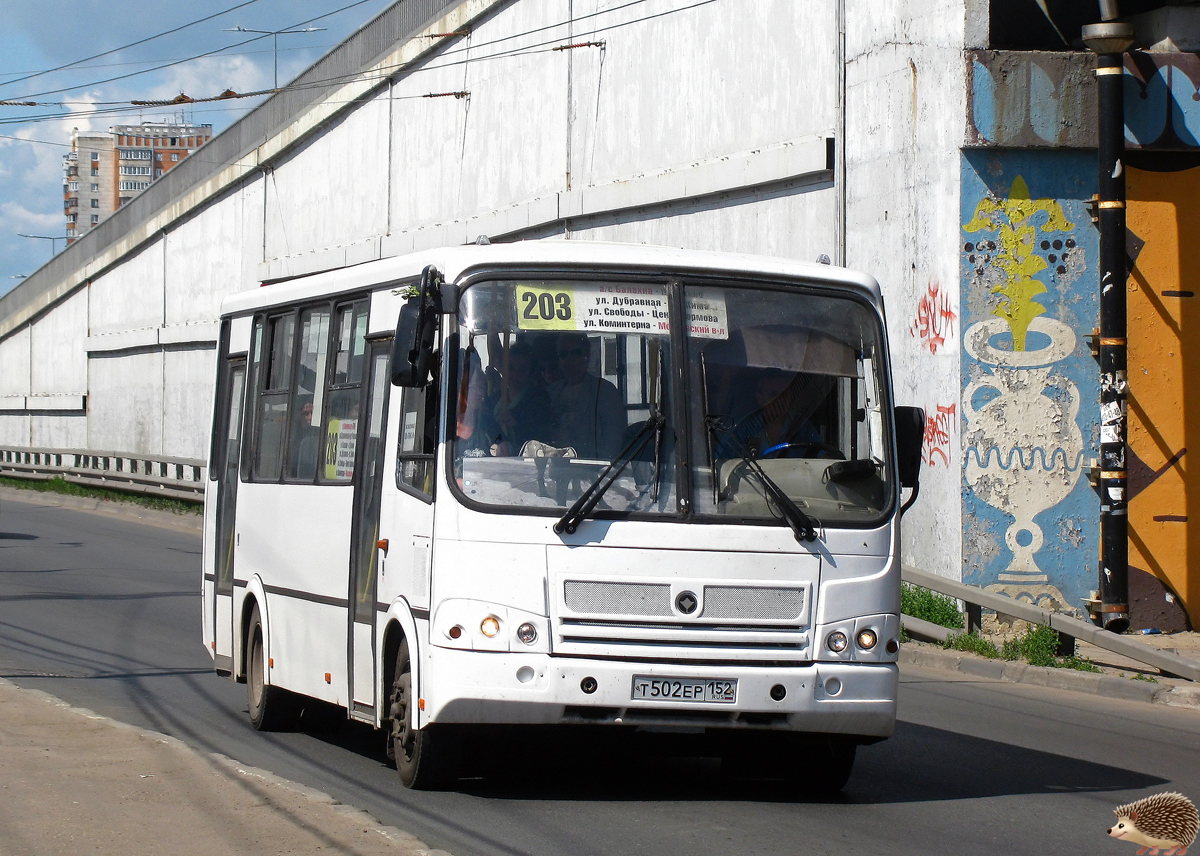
(39, 36)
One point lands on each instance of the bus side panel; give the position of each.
(296, 538)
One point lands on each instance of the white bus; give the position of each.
(562, 482)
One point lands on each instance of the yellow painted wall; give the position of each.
(1164, 379)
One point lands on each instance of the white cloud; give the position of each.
(23, 220)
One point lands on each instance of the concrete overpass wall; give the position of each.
(716, 126)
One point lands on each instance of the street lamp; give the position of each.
(1109, 41)
(274, 34)
(51, 238)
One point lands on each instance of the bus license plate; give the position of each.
(701, 690)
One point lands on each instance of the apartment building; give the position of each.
(104, 170)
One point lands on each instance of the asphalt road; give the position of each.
(105, 614)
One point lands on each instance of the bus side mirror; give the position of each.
(910, 435)
(412, 349)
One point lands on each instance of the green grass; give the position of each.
(1037, 645)
(1140, 677)
(930, 606)
(973, 644)
(62, 486)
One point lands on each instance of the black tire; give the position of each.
(271, 708)
(828, 763)
(426, 759)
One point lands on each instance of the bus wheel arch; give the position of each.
(271, 708)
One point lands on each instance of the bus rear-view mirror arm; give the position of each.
(910, 435)
(412, 349)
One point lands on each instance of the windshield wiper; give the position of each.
(588, 500)
(802, 526)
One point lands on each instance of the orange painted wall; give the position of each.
(1164, 379)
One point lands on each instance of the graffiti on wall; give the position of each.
(938, 428)
(935, 319)
(1026, 302)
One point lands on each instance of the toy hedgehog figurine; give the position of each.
(1162, 821)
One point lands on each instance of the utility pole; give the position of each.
(274, 34)
(1109, 41)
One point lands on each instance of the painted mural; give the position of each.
(1028, 299)
(1164, 376)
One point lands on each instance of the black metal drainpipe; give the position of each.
(1110, 41)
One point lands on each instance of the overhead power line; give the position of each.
(32, 75)
(188, 59)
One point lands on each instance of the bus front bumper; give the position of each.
(512, 688)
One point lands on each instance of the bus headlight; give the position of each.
(866, 639)
(836, 641)
(490, 627)
(527, 633)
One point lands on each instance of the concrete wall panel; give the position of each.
(904, 86)
(188, 401)
(333, 191)
(55, 431)
(505, 143)
(797, 223)
(130, 296)
(700, 83)
(14, 357)
(208, 256)
(125, 403)
(14, 429)
(59, 359)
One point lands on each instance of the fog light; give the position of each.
(527, 633)
(892, 646)
(588, 685)
(867, 639)
(455, 632)
(778, 692)
(490, 626)
(836, 641)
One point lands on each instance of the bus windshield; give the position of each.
(561, 383)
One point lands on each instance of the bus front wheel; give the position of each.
(271, 708)
(426, 759)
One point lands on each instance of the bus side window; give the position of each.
(273, 400)
(417, 439)
(345, 392)
(308, 391)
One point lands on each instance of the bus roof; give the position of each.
(453, 262)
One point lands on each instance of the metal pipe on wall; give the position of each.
(1110, 41)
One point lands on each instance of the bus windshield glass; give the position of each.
(556, 381)
(561, 384)
(786, 396)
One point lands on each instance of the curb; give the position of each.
(1042, 676)
(393, 834)
(109, 508)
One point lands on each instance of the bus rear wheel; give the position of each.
(426, 759)
(271, 708)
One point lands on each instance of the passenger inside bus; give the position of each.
(779, 425)
(304, 461)
(521, 406)
(588, 412)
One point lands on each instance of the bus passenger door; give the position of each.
(364, 549)
(227, 485)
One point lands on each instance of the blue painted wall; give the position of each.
(1030, 422)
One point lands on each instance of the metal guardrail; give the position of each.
(152, 475)
(977, 599)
